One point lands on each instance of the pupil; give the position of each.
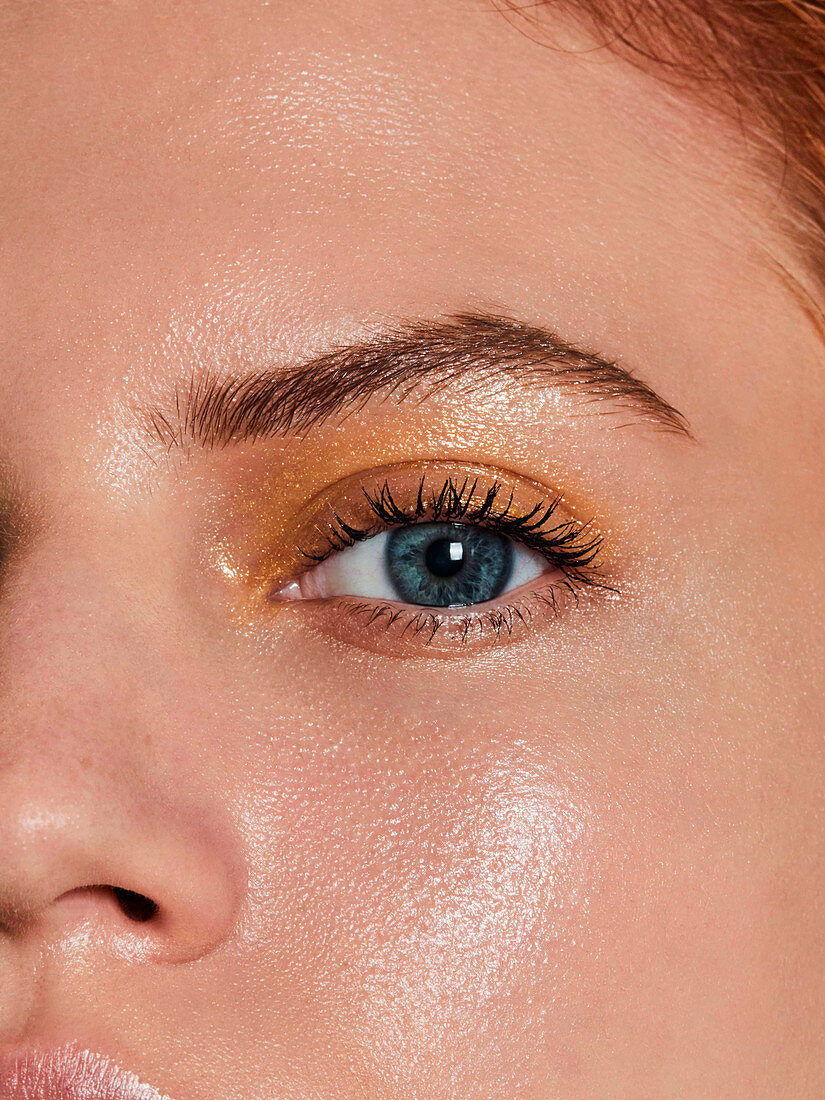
(444, 557)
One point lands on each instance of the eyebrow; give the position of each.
(412, 358)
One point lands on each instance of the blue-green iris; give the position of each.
(448, 564)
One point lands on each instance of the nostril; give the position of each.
(136, 907)
(85, 902)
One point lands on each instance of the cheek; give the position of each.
(435, 885)
(430, 879)
(561, 851)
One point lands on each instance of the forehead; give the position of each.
(275, 172)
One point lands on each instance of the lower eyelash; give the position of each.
(497, 623)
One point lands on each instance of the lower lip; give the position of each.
(69, 1074)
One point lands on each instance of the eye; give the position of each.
(438, 565)
(402, 561)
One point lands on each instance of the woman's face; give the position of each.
(278, 277)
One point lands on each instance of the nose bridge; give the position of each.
(74, 604)
(87, 803)
(79, 670)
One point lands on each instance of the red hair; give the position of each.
(760, 62)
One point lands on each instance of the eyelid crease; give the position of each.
(439, 468)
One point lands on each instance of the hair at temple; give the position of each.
(760, 62)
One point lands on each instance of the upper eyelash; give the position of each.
(571, 546)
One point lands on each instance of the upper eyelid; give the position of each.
(276, 544)
(576, 557)
(436, 465)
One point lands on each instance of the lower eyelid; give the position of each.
(399, 630)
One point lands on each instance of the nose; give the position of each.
(149, 876)
(107, 823)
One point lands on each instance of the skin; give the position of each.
(584, 863)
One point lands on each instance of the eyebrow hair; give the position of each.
(417, 357)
